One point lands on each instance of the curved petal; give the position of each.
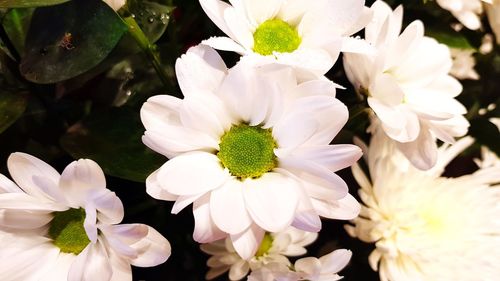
(247, 242)
(91, 264)
(344, 209)
(224, 44)
(215, 11)
(108, 205)
(8, 186)
(200, 69)
(422, 152)
(176, 176)
(334, 157)
(261, 200)
(80, 177)
(155, 190)
(227, 207)
(205, 230)
(335, 261)
(24, 168)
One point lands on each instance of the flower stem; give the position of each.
(148, 48)
(8, 44)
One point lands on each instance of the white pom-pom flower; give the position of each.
(250, 148)
(307, 35)
(325, 268)
(66, 227)
(424, 226)
(468, 12)
(408, 85)
(275, 247)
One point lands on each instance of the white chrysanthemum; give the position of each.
(493, 12)
(325, 268)
(307, 35)
(464, 64)
(468, 12)
(65, 227)
(427, 227)
(275, 247)
(408, 85)
(250, 147)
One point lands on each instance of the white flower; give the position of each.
(250, 147)
(116, 4)
(493, 12)
(275, 247)
(65, 227)
(310, 268)
(463, 64)
(305, 34)
(468, 12)
(424, 226)
(408, 85)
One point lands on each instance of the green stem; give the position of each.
(148, 48)
(8, 44)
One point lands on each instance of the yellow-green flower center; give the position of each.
(265, 245)
(247, 151)
(275, 35)
(67, 231)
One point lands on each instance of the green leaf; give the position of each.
(112, 138)
(16, 23)
(69, 39)
(452, 39)
(12, 106)
(29, 3)
(151, 17)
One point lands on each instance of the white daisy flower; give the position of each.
(66, 227)
(325, 268)
(424, 226)
(493, 12)
(275, 247)
(307, 35)
(408, 85)
(250, 147)
(468, 12)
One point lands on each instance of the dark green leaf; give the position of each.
(16, 24)
(151, 17)
(450, 38)
(12, 106)
(69, 39)
(29, 3)
(113, 139)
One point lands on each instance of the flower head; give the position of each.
(305, 34)
(275, 247)
(424, 226)
(249, 147)
(468, 12)
(408, 86)
(66, 227)
(493, 12)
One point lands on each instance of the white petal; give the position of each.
(224, 44)
(335, 261)
(59, 269)
(8, 186)
(247, 242)
(24, 168)
(239, 28)
(344, 209)
(21, 219)
(90, 223)
(215, 11)
(422, 152)
(183, 201)
(78, 178)
(310, 266)
(25, 202)
(227, 207)
(193, 173)
(343, 15)
(271, 200)
(109, 206)
(334, 157)
(239, 270)
(310, 63)
(200, 69)
(155, 190)
(122, 271)
(91, 264)
(205, 230)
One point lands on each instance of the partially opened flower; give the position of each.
(325, 268)
(249, 147)
(275, 247)
(408, 86)
(305, 34)
(425, 226)
(66, 227)
(116, 4)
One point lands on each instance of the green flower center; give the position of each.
(275, 36)
(247, 152)
(265, 245)
(67, 231)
